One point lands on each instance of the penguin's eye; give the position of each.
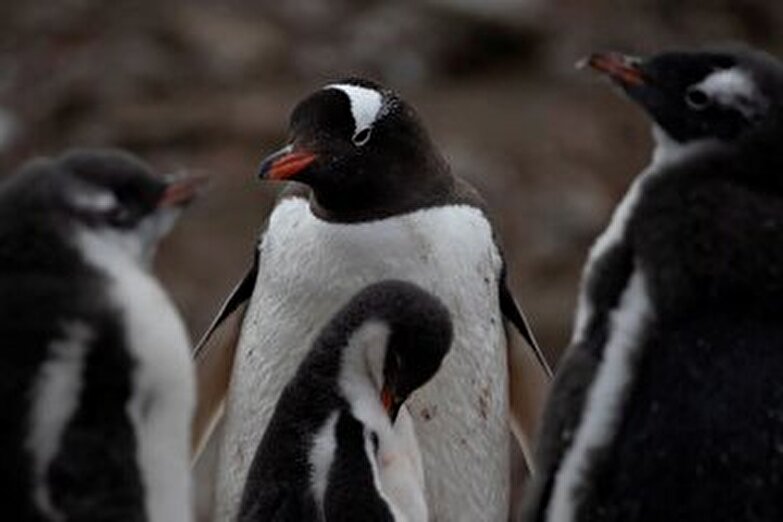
(361, 137)
(120, 216)
(697, 99)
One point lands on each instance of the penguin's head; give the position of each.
(722, 95)
(109, 192)
(401, 334)
(360, 148)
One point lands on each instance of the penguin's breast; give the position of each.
(309, 269)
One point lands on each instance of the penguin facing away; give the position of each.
(335, 448)
(667, 405)
(97, 382)
(378, 202)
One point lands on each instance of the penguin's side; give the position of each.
(335, 449)
(669, 402)
(381, 204)
(97, 384)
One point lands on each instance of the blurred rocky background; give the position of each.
(206, 86)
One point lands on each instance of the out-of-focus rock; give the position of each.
(400, 42)
(231, 46)
(509, 12)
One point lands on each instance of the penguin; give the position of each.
(98, 386)
(376, 200)
(340, 444)
(667, 404)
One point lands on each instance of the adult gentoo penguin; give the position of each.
(97, 384)
(336, 448)
(381, 204)
(669, 402)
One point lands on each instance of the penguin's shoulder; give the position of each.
(698, 229)
(457, 228)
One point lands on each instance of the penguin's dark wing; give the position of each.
(512, 311)
(239, 295)
(214, 361)
(562, 414)
(529, 374)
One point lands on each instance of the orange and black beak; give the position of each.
(285, 163)
(391, 403)
(623, 70)
(181, 190)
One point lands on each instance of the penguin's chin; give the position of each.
(152, 229)
(140, 243)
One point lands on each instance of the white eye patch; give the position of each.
(366, 104)
(732, 88)
(93, 201)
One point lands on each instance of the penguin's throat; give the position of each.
(669, 151)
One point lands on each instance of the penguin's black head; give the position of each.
(403, 332)
(720, 95)
(420, 336)
(106, 191)
(360, 148)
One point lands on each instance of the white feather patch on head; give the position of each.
(93, 200)
(732, 88)
(366, 104)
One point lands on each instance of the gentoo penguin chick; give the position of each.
(669, 402)
(331, 451)
(377, 202)
(97, 384)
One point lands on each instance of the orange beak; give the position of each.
(285, 163)
(619, 67)
(181, 191)
(390, 403)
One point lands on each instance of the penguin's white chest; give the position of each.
(163, 394)
(309, 269)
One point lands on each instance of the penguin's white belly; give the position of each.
(309, 269)
(163, 395)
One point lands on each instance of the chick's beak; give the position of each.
(285, 163)
(181, 190)
(622, 69)
(391, 403)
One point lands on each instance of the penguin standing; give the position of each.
(669, 403)
(97, 384)
(381, 204)
(335, 448)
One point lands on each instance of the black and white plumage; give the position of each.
(334, 448)
(669, 402)
(97, 383)
(382, 203)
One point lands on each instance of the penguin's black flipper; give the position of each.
(512, 312)
(239, 295)
(214, 363)
(529, 374)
